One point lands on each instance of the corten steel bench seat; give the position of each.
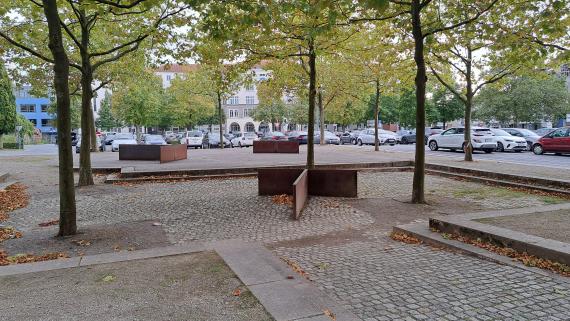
(162, 153)
(304, 182)
(275, 146)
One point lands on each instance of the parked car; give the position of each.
(508, 142)
(243, 139)
(154, 140)
(74, 138)
(212, 140)
(193, 138)
(78, 144)
(299, 136)
(557, 141)
(330, 138)
(453, 139)
(366, 137)
(408, 136)
(349, 137)
(171, 137)
(398, 137)
(530, 136)
(543, 131)
(431, 131)
(274, 136)
(122, 139)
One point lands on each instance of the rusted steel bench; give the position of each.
(301, 183)
(273, 146)
(162, 153)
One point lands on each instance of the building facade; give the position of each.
(35, 109)
(237, 107)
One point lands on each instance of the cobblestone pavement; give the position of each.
(388, 280)
(341, 243)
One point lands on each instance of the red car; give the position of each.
(557, 141)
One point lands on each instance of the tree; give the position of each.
(423, 19)
(524, 99)
(7, 105)
(97, 33)
(298, 30)
(67, 209)
(138, 101)
(107, 120)
(190, 100)
(448, 106)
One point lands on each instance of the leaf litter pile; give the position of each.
(11, 199)
(283, 199)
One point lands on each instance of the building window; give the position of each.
(246, 113)
(249, 127)
(28, 108)
(233, 113)
(46, 122)
(250, 100)
(234, 100)
(234, 128)
(33, 121)
(168, 77)
(249, 88)
(44, 108)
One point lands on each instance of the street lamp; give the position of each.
(18, 139)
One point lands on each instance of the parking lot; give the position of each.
(524, 158)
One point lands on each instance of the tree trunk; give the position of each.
(85, 175)
(67, 210)
(312, 94)
(376, 111)
(221, 118)
(418, 195)
(468, 147)
(321, 117)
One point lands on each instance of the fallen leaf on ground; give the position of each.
(9, 232)
(116, 248)
(237, 292)
(402, 237)
(28, 258)
(49, 223)
(108, 278)
(296, 267)
(283, 199)
(329, 314)
(81, 242)
(13, 198)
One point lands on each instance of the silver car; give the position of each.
(530, 136)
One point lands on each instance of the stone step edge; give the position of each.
(434, 239)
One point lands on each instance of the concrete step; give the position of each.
(3, 176)
(500, 182)
(6, 184)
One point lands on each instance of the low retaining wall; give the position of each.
(162, 153)
(271, 146)
(302, 182)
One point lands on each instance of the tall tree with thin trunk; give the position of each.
(67, 209)
(7, 105)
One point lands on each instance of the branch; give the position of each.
(462, 23)
(443, 82)
(496, 77)
(117, 3)
(117, 56)
(28, 49)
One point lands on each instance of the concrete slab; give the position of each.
(40, 266)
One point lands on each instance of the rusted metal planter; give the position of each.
(162, 153)
(302, 183)
(275, 146)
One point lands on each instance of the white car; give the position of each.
(530, 136)
(508, 142)
(453, 139)
(243, 139)
(123, 139)
(192, 138)
(366, 137)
